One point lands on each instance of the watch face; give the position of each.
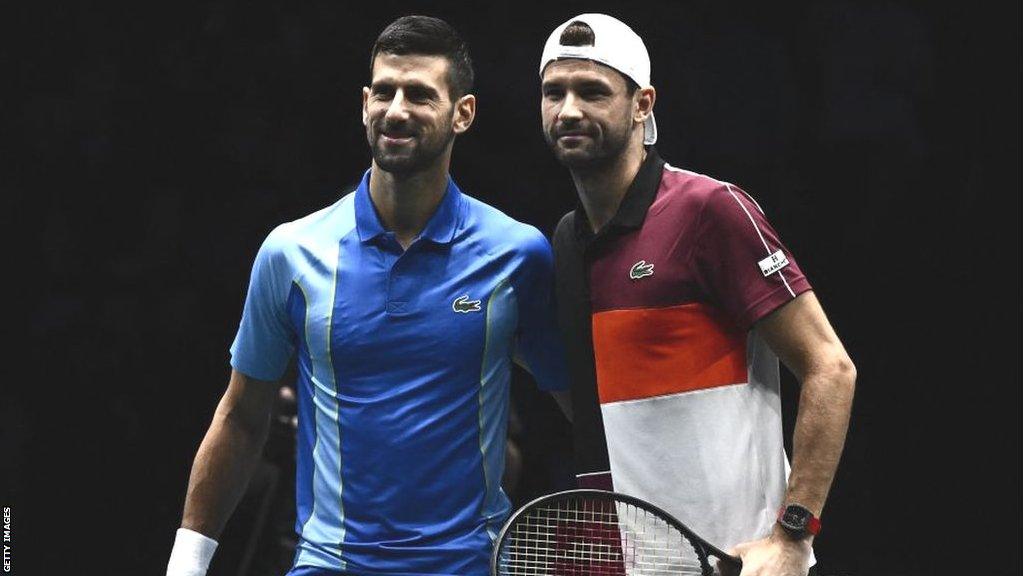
(795, 517)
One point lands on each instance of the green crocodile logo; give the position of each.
(640, 270)
(464, 305)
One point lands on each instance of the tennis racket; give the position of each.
(599, 533)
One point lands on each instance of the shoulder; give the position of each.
(677, 182)
(565, 233)
(286, 250)
(326, 225)
(565, 224)
(715, 200)
(500, 232)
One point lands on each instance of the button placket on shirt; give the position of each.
(399, 266)
(390, 253)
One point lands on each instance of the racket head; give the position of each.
(587, 532)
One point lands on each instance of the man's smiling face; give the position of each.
(586, 112)
(408, 111)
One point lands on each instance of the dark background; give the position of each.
(148, 150)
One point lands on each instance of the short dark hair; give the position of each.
(579, 33)
(429, 36)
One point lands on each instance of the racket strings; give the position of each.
(595, 537)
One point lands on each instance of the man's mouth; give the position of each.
(571, 134)
(396, 139)
(396, 136)
(571, 137)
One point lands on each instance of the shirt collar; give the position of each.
(440, 229)
(633, 208)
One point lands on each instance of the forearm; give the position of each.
(823, 416)
(223, 465)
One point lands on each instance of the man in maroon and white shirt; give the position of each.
(676, 299)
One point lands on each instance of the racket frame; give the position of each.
(706, 548)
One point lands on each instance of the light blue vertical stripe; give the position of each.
(306, 433)
(327, 521)
(502, 315)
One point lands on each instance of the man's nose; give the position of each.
(397, 109)
(571, 110)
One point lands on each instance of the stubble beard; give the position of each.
(424, 152)
(604, 151)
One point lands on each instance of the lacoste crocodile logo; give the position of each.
(464, 305)
(641, 270)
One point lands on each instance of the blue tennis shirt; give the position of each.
(404, 364)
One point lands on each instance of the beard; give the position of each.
(599, 148)
(423, 150)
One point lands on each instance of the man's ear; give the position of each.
(366, 96)
(465, 112)
(644, 104)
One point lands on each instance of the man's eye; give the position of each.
(553, 94)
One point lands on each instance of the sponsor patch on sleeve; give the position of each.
(773, 263)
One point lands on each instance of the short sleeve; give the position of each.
(265, 341)
(740, 261)
(539, 348)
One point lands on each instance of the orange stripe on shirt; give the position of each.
(647, 352)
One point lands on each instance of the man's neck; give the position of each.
(602, 189)
(405, 202)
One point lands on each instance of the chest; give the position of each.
(649, 267)
(428, 308)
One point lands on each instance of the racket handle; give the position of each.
(732, 565)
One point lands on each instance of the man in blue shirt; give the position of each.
(405, 302)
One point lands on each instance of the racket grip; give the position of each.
(729, 565)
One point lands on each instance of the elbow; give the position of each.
(843, 375)
(847, 370)
(834, 375)
(254, 428)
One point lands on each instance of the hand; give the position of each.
(776, 555)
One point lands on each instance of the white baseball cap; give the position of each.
(615, 46)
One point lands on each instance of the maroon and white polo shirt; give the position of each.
(673, 391)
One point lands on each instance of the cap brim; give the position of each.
(650, 130)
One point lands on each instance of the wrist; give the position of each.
(191, 554)
(780, 534)
(797, 521)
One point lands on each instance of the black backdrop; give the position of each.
(147, 150)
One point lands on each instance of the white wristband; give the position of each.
(191, 554)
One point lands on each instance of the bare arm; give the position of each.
(800, 334)
(228, 454)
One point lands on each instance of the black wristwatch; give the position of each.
(798, 521)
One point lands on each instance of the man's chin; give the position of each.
(397, 164)
(578, 159)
